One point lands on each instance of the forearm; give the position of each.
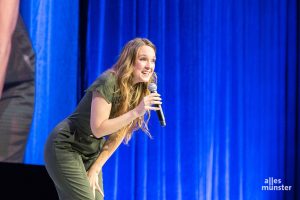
(109, 148)
(110, 126)
(4, 56)
(9, 10)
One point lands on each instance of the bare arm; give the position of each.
(100, 111)
(9, 10)
(112, 125)
(109, 147)
(101, 125)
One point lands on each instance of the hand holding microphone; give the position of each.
(152, 102)
(153, 89)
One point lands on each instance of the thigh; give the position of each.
(87, 165)
(68, 174)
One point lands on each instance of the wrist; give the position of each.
(134, 114)
(96, 168)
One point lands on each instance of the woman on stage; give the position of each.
(114, 106)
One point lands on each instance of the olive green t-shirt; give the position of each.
(77, 132)
(106, 86)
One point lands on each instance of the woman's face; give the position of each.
(144, 64)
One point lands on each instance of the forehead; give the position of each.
(146, 50)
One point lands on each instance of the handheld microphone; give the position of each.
(153, 89)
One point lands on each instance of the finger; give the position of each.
(151, 108)
(90, 180)
(155, 94)
(155, 102)
(150, 98)
(98, 187)
(100, 190)
(155, 98)
(94, 191)
(151, 101)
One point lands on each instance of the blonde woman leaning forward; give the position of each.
(114, 106)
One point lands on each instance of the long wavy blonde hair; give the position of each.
(132, 94)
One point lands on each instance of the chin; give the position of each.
(145, 80)
(142, 79)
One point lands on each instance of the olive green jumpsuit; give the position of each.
(71, 148)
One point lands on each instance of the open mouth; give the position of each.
(146, 73)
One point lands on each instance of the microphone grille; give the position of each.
(152, 87)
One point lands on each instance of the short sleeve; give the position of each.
(104, 85)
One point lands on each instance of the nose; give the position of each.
(148, 65)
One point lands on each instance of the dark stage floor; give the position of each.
(20, 181)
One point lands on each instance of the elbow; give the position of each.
(99, 131)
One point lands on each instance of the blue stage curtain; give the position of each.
(228, 73)
(53, 28)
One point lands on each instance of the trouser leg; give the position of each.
(69, 175)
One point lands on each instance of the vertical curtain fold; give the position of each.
(53, 28)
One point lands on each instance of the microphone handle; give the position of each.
(161, 116)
